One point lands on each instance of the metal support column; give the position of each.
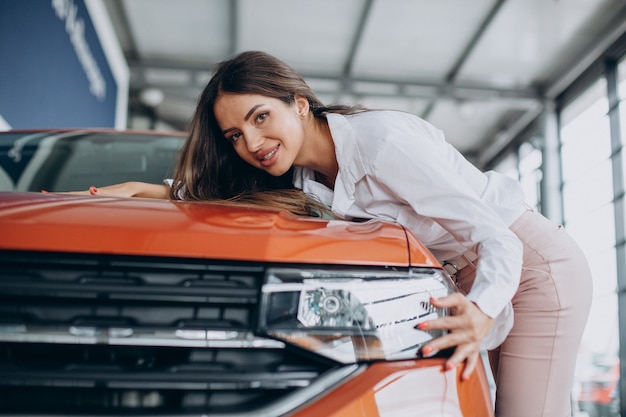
(551, 199)
(618, 204)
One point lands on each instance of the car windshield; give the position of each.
(71, 161)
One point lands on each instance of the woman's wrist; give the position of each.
(146, 190)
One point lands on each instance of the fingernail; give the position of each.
(93, 189)
(422, 326)
(449, 366)
(427, 350)
(44, 191)
(433, 299)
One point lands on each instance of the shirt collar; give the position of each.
(351, 168)
(350, 161)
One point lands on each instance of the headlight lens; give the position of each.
(353, 316)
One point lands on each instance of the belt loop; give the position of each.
(453, 271)
(454, 266)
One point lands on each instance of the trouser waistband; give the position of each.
(453, 266)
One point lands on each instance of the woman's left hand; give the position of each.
(467, 326)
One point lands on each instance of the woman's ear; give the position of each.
(302, 105)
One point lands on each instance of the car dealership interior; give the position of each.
(534, 89)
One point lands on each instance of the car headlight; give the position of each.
(353, 316)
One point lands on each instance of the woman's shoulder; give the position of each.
(386, 119)
(388, 123)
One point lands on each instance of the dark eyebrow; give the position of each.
(247, 116)
(251, 111)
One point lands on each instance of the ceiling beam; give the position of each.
(505, 137)
(454, 71)
(354, 45)
(233, 26)
(416, 88)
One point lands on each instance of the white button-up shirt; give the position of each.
(396, 166)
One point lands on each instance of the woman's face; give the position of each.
(266, 132)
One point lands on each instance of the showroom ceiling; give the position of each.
(480, 70)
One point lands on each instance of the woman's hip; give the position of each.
(555, 272)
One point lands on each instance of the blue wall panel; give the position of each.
(53, 70)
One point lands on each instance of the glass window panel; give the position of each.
(586, 142)
(600, 335)
(621, 77)
(622, 118)
(588, 192)
(622, 111)
(530, 161)
(600, 342)
(508, 166)
(524, 166)
(593, 103)
(623, 156)
(595, 231)
(530, 158)
(604, 266)
(531, 184)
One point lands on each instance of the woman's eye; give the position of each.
(234, 137)
(261, 117)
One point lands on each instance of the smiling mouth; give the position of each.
(270, 154)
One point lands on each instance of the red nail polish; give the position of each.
(427, 350)
(44, 192)
(93, 189)
(422, 326)
(449, 366)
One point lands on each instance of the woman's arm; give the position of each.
(427, 175)
(128, 189)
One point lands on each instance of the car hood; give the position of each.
(136, 226)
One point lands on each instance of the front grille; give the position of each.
(129, 336)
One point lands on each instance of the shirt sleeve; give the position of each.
(419, 168)
(170, 183)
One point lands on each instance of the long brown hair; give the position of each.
(292, 200)
(208, 167)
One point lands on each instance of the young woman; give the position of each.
(258, 127)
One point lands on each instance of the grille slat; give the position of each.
(176, 294)
(123, 335)
(147, 285)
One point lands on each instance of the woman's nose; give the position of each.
(254, 141)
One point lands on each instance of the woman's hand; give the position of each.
(127, 189)
(467, 326)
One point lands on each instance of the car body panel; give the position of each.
(394, 389)
(70, 223)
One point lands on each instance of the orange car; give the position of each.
(598, 395)
(114, 306)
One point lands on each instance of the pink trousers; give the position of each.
(534, 366)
